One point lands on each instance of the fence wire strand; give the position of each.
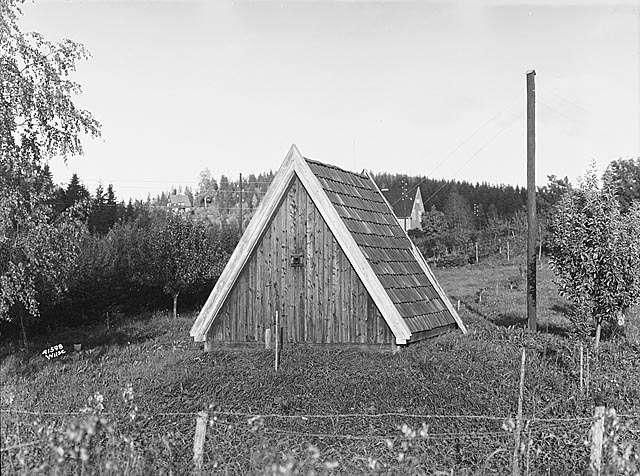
(426, 416)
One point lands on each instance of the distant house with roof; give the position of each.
(324, 259)
(407, 209)
(179, 203)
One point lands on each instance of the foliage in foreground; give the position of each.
(475, 374)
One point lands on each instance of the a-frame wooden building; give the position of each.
(325, 249)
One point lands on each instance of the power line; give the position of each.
(188, 182)
(569, 101)
(503, 129)
(557, 111)
(453, 151)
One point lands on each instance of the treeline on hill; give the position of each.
(460, 215)
(100, 210)
(222, 201)
(465, 222)
(488, 199)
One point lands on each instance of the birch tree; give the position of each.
(38, 121)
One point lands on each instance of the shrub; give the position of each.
(137, 263)
(176, 253)
(595, 253)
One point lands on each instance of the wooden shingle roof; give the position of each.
(400, 201)
(385, 245)
(178, 200)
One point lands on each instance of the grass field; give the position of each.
(152, 379)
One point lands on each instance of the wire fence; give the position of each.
(242, 441)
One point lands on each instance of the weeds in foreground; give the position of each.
(97, 441)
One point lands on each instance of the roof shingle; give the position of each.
(385, 246)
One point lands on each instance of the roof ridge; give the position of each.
(331, 166)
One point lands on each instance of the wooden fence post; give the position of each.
(515, 470)
(267, 338)
(277, 359)
(208, 345)
(280, 345)
(597, 434)
(587, 376)
(581, 369)
(198, 440)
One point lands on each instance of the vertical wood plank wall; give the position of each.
(323, 301)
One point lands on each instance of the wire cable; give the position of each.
(458, 147)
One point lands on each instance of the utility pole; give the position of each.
(531, 200)
(240, 204)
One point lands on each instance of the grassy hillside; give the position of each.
(151, 379)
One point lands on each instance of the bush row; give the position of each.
(141, 265)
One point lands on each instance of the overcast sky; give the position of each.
(421, 88)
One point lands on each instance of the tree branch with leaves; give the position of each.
(38, 121)
(595, 253)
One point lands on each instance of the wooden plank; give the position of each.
(370, 321)
(309, 271)
(515, 464)
(377, 329)
(317, 241)
(355, 308)
(269, 285)
(198, 440)
(334, 289)
(235, 318)
(322, 282)
(245, 304)
(252, 305)
(361, 314)
(284, 263)
(597, 438)
(237, 308)
(289, 237)
(329, 258)
(346, 298)
(342, 289)
(259, 286)
(301, 276)
(266, 280)
(297, 272)
(279, 287)
(229, 318)
(287, 249)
